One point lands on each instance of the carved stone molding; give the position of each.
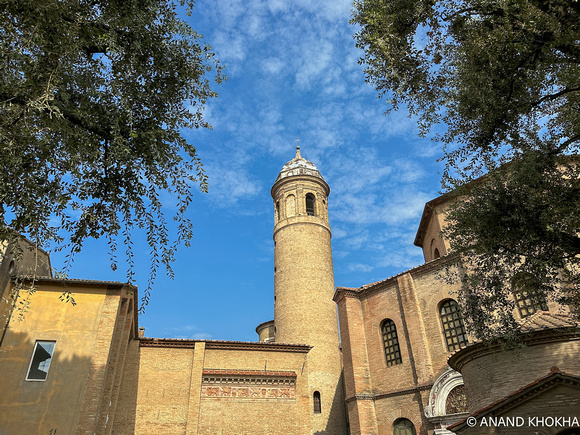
(248, 385)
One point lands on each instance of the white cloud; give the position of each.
(316, 57)
(330, 10)
(188, 332)
(230, 48)
(359, 267)
(272, 65)
(228, 185)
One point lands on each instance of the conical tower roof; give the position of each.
(299, 166)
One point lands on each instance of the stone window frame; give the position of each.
(39, 359)
(391, 344)
(436, 411)
(453, 326)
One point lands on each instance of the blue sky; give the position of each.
(293, 73)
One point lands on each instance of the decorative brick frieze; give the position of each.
(248, 385)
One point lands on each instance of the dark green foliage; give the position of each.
(504, 78)
(93, 98)
(513, 223)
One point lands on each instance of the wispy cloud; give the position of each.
(188, 332)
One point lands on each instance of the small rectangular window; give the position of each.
(40, 362)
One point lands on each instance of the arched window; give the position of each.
(310, 200)
(391, 343)
(317, 404)
(434, 251)
(529, 298)
(404, 426)
(278, 210)
(453, 327)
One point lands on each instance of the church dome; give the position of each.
(299, 166)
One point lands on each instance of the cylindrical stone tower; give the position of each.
(304, 312)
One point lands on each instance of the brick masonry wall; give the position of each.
(304, 311)
(409, 406)
(163, 391)
(490, 376)
(255, 414)
(558, 401)
(411, 300)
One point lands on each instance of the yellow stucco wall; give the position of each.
(83, 336)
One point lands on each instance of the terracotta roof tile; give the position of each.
(541, 320)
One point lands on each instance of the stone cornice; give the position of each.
(230, 372)
(297, 178)
(425, 217)
(111, 285)
(301, 220)
(224, 345)
(375, 287)
(378, 396)
(476, 350)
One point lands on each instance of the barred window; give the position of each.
(453, 327)
(317, 404)
(310, 200)
(403, 426)
(391, 343)
(529, 298)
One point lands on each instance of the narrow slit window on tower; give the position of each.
(310, 204)
(278, 217)
(391, 343)
(453, 327)
(317, 404)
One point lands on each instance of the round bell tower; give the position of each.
(304, 312)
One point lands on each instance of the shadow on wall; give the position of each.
(338, 417)
(126, 412)
(50, 401)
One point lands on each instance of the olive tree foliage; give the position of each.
(501, 81)
(94, 96)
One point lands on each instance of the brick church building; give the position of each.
(405, 365)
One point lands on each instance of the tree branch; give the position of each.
(555, 96)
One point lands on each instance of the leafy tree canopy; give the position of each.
(503, 76)
(94, 95)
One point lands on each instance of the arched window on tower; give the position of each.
(310, 201)
(453, 327)
(391, 343)
(278, 217)
(404, 426)
(528, 295)
(317, 404)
